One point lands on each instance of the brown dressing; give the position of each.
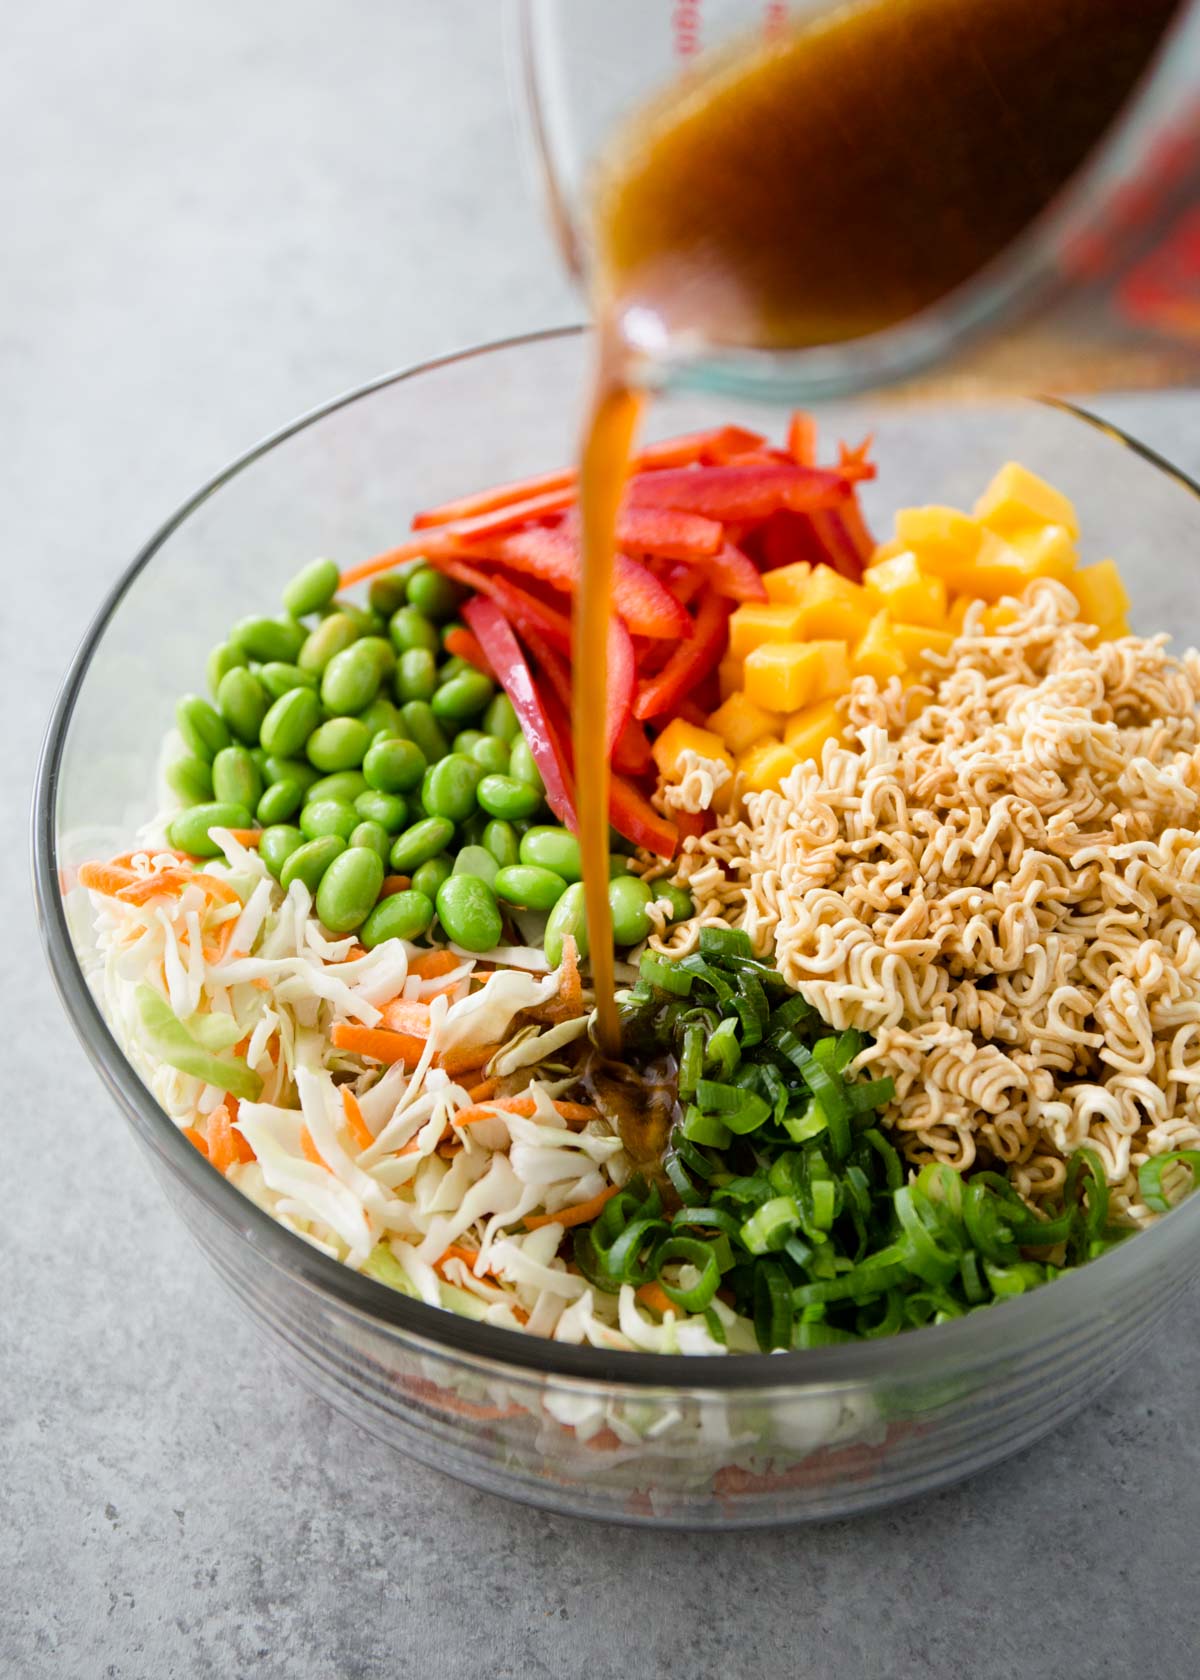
(829, 182)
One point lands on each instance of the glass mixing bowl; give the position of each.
(692, 1442)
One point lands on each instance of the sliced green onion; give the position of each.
(770, 1225)
(1150, 1178)
(695, 1253)
(773, 1313)
(725, 942)
(656, 971)
(707, 1129)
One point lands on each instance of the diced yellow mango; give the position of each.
(957, 613)
(1017, 498)
(782, 676)
(766, 764)
(836, 609)
(1114, 631)
(787, 583)
(1049, 550)
(878, 654)
(753, 624)
(679, 737)
(740, 723)
(885, 551)
(915, 641)
(998, 569)
(731, 677)
(944, 541)
(909, 593)
(1100, 593)
(998, 618)
(807, 731)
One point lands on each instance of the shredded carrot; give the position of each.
(653, 1295)
(226, 1147)
(431, 964)
(354, 953)
(197, 1139)
(359, 1130)
(524, 1106)
(485, 1089)
(106, 878)
(464, 645)
(455, 1062)
(310, 1151)
(394, 884)
(247, 836)
(216, 950)
(604, 1440)
(457, 1251)
(407, 1015)
(375, 1043)
(582, 1213)
(802, 439)
(570, 994)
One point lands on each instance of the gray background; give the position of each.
(213, 217)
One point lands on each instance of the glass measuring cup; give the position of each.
(1102, 290)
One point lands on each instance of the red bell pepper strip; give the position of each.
(837, 547)
(856, 463)
(552, 554)
(684, 582)
(518, 606)
(802, 439)
(667, 533)
(734, 574)
(689, 663)
(857, 530)
(632, 815)
(512, 672)
(622, 679)
(464, 645)
(632, 755)
(692, 824)
(750, 492)
(553, 672)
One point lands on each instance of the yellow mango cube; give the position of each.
(885, 551)
(833, 608)
(909, 593)
(781, 676)
(1100, 593)
(787, 583)
(998, 618)
(740, 723)
(1049, 550)
(944, 541)
(679, 737)
(808, 730)
(998, 569)
(1017, 498)
(1114, 631)
(766, 764)
(957, 613)
(878, 654)
(754, 623)
(916, 641)
(731, 677)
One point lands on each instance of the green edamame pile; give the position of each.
(365, 753)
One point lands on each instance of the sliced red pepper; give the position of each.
(692, 824)
(857, 530)
(552, 671)
(464, 645)
(632, 755)
(734, 575)
(837, 546)
(622, 678)
(750, 492)
(689, 663)
(856, 463)
(688, 709)
(512, 672)
(632, 815)
(518, 606)
(802, 439)
(667, 533)
(552, 554)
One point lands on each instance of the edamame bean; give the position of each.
(345, 785)
(467, 740)
(419, 843)
(521, 765)
(235, 778)
(289, 722)
(189, 830)
(322, 817)
(428, 876)
(682, 904)
(370, 623)
(529, 887)
(464, 696)
(505, 796)
(349, 888)
(351, 679)
(501, 720)
(402, 915)
(394, 766)
(491, 754)
(203, 730)
(420, 725)
(470, 832)
(372, 834)
(553, 848)
(278, 842)
(434, 595)
(448, 787)
(311, 589)
(468, 911)
(502, 840)
(268, 638)
(309, 862)
(381, 717)
(617, 865)
(297, 770)
(454, 666)
(409, 628)
(243, 703)
(387, 593)
(339, 744)
(190, 778)
(387, 809)
(279, 678)
(628, 897)
(332, 635)
(280, 801)
(476, 860)
(416, 675)
(224, 657)
(567, 917)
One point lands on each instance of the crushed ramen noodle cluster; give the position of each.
(999, 880)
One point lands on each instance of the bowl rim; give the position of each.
(1036, 1315)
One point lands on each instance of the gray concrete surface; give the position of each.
(213, 217)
